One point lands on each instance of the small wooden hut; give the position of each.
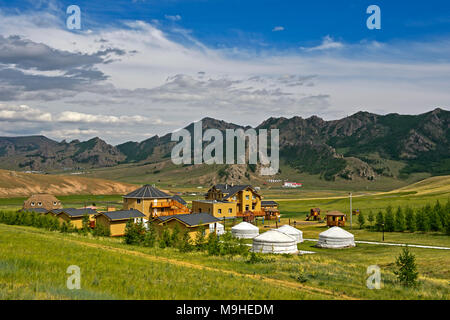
(336, 219)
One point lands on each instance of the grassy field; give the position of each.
(33, 265)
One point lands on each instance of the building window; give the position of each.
(199, 210)
(55, 203)
(253, 197)
(138, 201)
(234, 198)
(40, 204)
(246, 208)
(253, 207)
(32, 204)
(247, 197)
(219, 211)
(230, 210)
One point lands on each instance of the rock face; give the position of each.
(355, 147)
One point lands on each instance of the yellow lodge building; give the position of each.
(153, 202)
(224, 200)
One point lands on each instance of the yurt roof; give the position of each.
(244, 226)
(288, 229)
(274, 236)
(336, 232)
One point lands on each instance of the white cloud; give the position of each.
(327, 43)
(165, 84)
(23, 113)
(278, 28)
(176, 17)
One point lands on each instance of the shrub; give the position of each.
(101, 230)
(185, 243)
(361, 220)
(389, 220)
(407, 269)
(410, 219)
(134, 232)
(380, 221)
(399, 220)
(371, 218)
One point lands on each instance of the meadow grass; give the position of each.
(34, 262)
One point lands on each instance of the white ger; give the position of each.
(274, 241)
(293, 232)
(244, 230)
(336, 238)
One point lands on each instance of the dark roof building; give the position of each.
(179, 199)
(230, 190)
(191, 220)
(37, 210)
(123, 214)
(72, 212)
(269, 203)
(147, 192)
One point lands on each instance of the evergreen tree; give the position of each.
(434, 217)
(186, 242)
(150, 236)
(213, 245)
(361, 220)
(371, 218)
(379, 221)
(85, 225)
(400, 224)
(410, 219)
(134, 232)
(407, 269)
(389, 220)
(166, 239)
(200, 238)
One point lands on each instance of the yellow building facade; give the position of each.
(153, 202)
(246, 199)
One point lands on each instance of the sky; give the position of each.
(137, 68)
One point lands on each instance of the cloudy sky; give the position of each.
(139, 67)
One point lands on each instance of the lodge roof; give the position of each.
(147, 192)
(179, 199)
(37, 210)
(123, 214)
(335, 213)
(191, 219)
(72, 212)
(230, 190)
(269, 203)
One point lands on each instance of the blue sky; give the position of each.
(139, 68)
(250, 23)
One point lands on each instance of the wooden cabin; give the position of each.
(191, 222)
(336, 218)
(41, 201)
(75, 216)
(217, 208)
(116, 221)
(153, 202)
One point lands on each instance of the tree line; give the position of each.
(427, 218)
(52, 223)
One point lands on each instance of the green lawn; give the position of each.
(33, 265)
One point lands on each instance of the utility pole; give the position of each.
(351, 212)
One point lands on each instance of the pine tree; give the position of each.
(361, 220)
(185, 243)
(371, 218)
(379, 221)
(400, 224)
(410, 219)
(407, 269)
(434, 216)
(389, 220)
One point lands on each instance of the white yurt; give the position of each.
(291, 231)
(335, 238)
(274, 241)
(244, 230)
(217, 227)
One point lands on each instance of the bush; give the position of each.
(185, 243)
(407, 269)
(399, 220)
(361, 220)
(389, 223)
(101, 231)
(410, 219)
(134, 232)
(379, 221)
(30, 219)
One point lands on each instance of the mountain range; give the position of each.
(361, 146)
